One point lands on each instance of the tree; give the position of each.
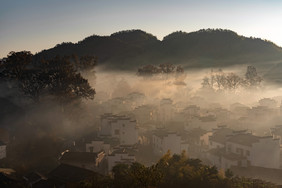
(32, 84)
(148, 70)
(220, 80)
(15, 64)
(206, 82)
(252, 77)
(167, 68)
(57, 77)
(64, 82)
(233, 81)
(228, 173)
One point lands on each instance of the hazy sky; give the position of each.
(35, 25)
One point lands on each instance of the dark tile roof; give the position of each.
(161, 133)
(8, 181)
(107, 140)
(129, 151)
(33, 177)
(221, 135)
(47, 184)
(68, 173)
(114, 118)
(197, 132)
(79, 157)
(2, 143)
(244, 139)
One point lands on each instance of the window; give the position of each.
(247, 152)
(116, 132)
(91, 149)
(229, 148)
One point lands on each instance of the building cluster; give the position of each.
(220, 136)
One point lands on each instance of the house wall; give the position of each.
(3, 151)
(204, 139)
(196, 123)
(97, 146)
(170, 142)
(157, 145)
(119, 158)
(106, 127)
(213, 145)
(266, 153)
(225, 163)
(166, 112)
(123, 129)
(239, 149)
(126, 131)
(215, 160)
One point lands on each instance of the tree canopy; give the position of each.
(219, 80)
(58, 77)
(177, 171)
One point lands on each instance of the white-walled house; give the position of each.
(259, 151)
(145, 113)
(192, 111)
(244, 149)
(207, 123)
(97, 146)
(120, 156)
(164, 140)
(166, 111)
(276, 132)
(219, 137)
(224, 160)
(3, 153)
(121, 127)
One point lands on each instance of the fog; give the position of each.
(163, 104)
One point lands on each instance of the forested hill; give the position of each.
(204, 48)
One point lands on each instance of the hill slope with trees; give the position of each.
(204, 48)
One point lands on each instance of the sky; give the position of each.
(35, 25)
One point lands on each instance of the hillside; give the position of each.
(201, 49)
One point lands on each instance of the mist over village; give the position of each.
(198, 108)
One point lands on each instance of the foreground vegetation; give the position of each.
(173, 171)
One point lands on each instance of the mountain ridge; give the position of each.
(206, 48)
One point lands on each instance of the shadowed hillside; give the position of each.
(127, 50)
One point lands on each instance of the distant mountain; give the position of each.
(201, 49)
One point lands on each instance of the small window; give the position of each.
(91, 149)
(116, 132)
